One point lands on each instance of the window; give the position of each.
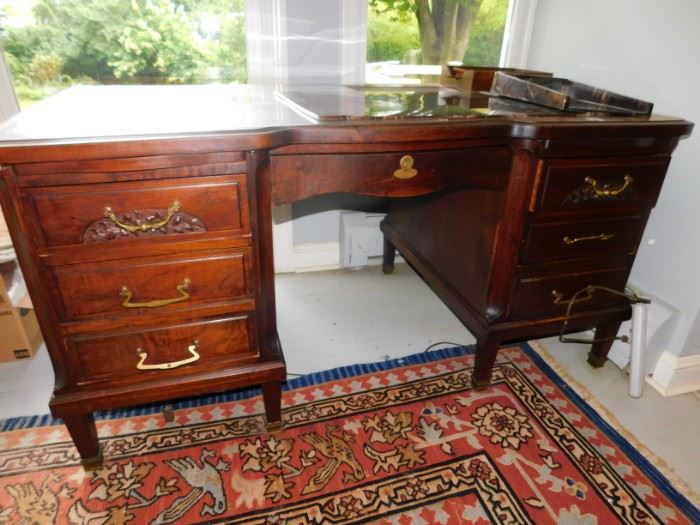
(398, 45)
(52, 44)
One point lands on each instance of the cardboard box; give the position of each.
(20, 336)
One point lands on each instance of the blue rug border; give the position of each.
(345, 372)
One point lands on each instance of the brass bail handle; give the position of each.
(605, 190)
(406, 171)
(577, 298)
(600, 237)
(146, 226)
(143, 355)
(183, 288)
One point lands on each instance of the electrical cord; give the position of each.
(629, 294)
(430, 347)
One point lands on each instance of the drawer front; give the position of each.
(156, 283)
(585, 183)
(149, 353)
(401, 174)
(550, 295)
(582, 238)
(125, 211)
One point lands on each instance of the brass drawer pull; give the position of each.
(406, 171)
(167, 366)
(182, 288)
(606, 191)
(146, 226)
(601, 237)
(559, 297)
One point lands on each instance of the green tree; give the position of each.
(390, 38)
(444, 25)
(486, 40)
(127, 41)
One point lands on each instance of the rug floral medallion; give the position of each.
(408, 444)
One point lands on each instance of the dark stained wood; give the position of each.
(432, 228)
(543, 295)
(484, 359)
(568, 183)
(83, 431)
(588, 237)
(296, 177)
(388, 256)
(605, 335)
(95, 290)
(95, 358)
(482, 222)
(65, 213)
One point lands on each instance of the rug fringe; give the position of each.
(678, 483)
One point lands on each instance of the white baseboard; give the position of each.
(316, 256)
(620, 355)
(676, 375)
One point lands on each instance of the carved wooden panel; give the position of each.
(585, 194)
(107, 229)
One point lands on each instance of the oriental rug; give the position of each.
(400, 442)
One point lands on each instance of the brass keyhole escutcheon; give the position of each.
(406, 171)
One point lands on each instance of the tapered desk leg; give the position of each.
(484, 359)
(388, 256)
(599, 351)
(82, 429)
(272, 396)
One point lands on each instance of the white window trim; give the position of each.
(518, 33)
(9, 105)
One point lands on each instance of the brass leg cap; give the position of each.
(274, 426)
(478, 385)
(92, 463)
(596, 361)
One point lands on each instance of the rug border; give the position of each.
(651, 464)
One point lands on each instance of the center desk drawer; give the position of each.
(158, 283)
(594, 183)
(130, 210)
(179, 349)
(399, 174)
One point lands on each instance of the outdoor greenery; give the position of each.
(436, 32)
(195, 41)
(126, 41)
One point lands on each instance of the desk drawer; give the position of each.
(401, 174)
(550, 294)
(585, 183)
(125, 211)
(177, 349)
(582, 238)
(157, 283)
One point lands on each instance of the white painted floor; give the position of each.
(330, 319)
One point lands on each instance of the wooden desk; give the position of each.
(142, 221)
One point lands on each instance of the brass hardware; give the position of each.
(182, 288)
(559, 297)
(605, 191)
(274, 427)
(601, 237)
(167, 366)
(109, 214)
(406, 171)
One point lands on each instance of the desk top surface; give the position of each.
(84, 112)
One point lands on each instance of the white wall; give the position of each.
(648, 49)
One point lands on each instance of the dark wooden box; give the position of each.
(566, 95)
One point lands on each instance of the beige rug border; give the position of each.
(678, 483)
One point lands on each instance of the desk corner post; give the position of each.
(484, 359)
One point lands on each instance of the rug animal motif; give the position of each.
(406, 445)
